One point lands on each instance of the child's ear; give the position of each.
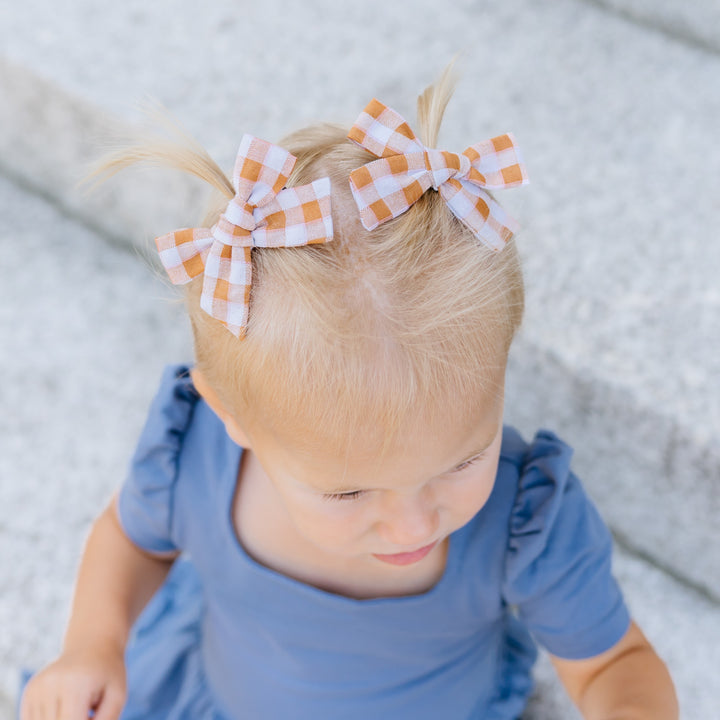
(211, 398)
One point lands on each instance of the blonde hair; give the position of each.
(368, 332)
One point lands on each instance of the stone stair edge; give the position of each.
(639, 492)
(695, 23)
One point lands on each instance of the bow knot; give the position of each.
(406, 169)
(443, 165)
(263, 213)
(238, 221)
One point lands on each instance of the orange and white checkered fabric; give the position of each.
(263, 213)
(386, 188)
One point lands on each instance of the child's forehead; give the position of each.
(369, 431)
(437, 445)
(427, 459)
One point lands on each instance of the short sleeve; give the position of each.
(558, 564)
(145, 501)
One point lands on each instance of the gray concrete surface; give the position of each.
(87, 328)
(619, 125)
(616, 104)
(696, 22)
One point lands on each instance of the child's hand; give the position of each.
(75, 684)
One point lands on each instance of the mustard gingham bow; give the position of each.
(386, 188)
(262, 214)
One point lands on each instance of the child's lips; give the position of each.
(407, 558)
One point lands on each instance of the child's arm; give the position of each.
(115, 581)
(628, 682)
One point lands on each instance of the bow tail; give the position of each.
(476, 208)
(226, 286)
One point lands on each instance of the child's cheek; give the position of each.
(332, 523)
(469, 497)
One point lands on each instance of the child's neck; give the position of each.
(269, 536)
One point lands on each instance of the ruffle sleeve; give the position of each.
(558, 564)
(145, 501)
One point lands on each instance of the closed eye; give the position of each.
(344, 496)
(467, 463)
(355, 494)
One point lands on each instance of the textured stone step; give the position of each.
(696, 23)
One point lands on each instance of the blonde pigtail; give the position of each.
(170, 146)
(431, 105)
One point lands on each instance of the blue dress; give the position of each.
(226, 637)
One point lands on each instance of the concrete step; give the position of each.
(86, 329)
(620, 350)
(696, 23)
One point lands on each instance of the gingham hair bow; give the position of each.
(262, 214)
(386, 188)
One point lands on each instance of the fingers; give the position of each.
(77, 706)
(47, 706)
(39, 702)
(36, 702)
(111, 704)
(72, 707)
(52, 699)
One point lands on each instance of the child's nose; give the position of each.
(409, 520)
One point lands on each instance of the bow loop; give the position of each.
(406, 169)
(263, 213)
(261, 170)
(496, 163)
(384, 132)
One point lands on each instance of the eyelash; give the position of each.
(355, 494)
(467, 463)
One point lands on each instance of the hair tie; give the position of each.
(263, 213)
(386, 188)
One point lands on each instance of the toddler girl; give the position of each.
(327, 509)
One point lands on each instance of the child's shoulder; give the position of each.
(174, 400)
(556, 565)
(182, 457)
(168, 416)
(545, 449)
(541, 542)
(537, 484)
(181, 429)
(536, 500)
(513, 447)
(534, 486)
